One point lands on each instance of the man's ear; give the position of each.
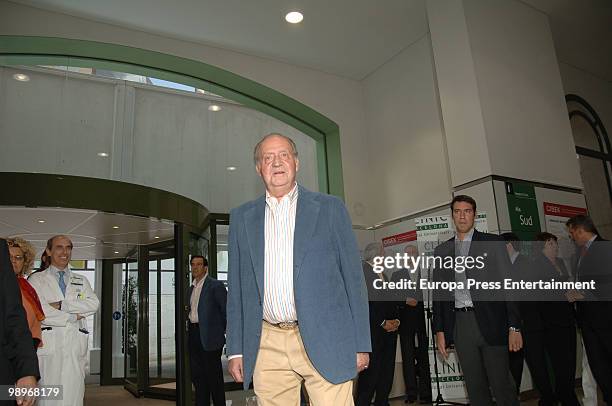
(297, 165)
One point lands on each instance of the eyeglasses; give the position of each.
(17, 258)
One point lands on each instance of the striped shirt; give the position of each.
(279, 301)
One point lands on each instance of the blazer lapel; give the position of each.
(255, 227)
(205, 286)
(306, 217)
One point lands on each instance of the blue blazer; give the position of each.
(328, 282)
(212, 313)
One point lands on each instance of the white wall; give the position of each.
(58, 122)
(408, 163)
(338, 98)
(521, 93)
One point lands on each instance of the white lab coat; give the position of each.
(63, 356)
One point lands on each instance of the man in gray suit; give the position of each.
(297, 304)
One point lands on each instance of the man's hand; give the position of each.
(26, 382)
(363, 360)
(412, 302)
(573, 295)
(441, 344)
(515, 341)
(391, 325)
(79, 317)
(56, 305)
(234, 367)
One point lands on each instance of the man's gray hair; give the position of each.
(257, 150)
(372, 250)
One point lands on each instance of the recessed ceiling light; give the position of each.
(231, 168)
(103, 154)
(41, 221)
(201, 91)
(21, 77)
(115, 227)
(294, 17)
(116, 252)
(156, 237)
(214, 107)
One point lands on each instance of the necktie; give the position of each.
(62, 283)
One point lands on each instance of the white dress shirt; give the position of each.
(279, 301)
(195, 299)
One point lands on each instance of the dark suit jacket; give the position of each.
(17, 354)
(552, 310)
(596, 310)
(380, 310)
(211, 313)
(412, 317)
(493, 317)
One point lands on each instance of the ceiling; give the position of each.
(582, 32)
(91, 232)
(350, 38)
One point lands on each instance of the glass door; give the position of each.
(131, 322)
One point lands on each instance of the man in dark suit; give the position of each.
(17, 355)
(481, 330)
(520, 265)
(413, 335)
(297, 304)
(207, 320)
(594, 262)
(384, 322)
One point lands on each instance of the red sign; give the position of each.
(560, 210)
(399, 238)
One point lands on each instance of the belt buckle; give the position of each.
(287, 325)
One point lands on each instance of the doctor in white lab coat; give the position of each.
(67, 299)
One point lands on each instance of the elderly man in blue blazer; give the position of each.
(297, 304)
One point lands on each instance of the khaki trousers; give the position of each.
(282, 365)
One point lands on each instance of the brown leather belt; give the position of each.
(285, 325)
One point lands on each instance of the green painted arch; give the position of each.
(30, 50)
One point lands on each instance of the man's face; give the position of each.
(578, 235)
(411, 251)
(60, 252)
(198, 270)
(463, 216)
(277, 165)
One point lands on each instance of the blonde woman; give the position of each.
(22, 258)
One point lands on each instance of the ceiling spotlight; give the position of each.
(116, 252)
(156, 237)
(231, 168)
(115, 227)
(294, 17)
(214, 107)
(21, 77)
(103, 154)
(41, 221)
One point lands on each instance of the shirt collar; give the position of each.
(54, 270)
(468, 236)
(292, 196)
(200, 282)
(514, 256)
(588, 243)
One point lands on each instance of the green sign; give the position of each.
(523, 210)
